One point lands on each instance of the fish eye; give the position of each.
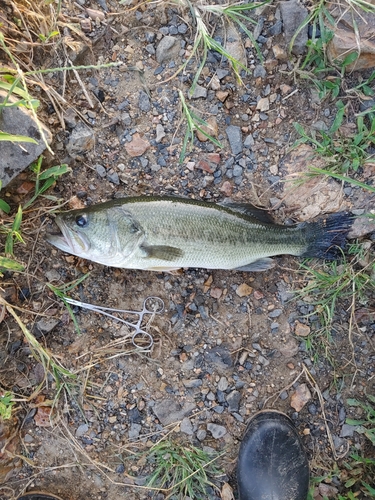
(81, 220)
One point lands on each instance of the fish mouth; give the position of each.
(65, 239)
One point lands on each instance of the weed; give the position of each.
(3, 204)
(6, 404)
(326, 75)
(364, 88)
(193, 123)
(12, 86)
(49, 36)
(7, 264)
(315, 65)
(236, 14)
(356, 472)
(352, 279)
(343, 178)
(49, 363)
(316, 57)
(341, 150)
(12, 230)
(182, 470)
(359, 471)
(204, 41)
(62, 291)
(44, 180)
(16, 84)
(366, 426)
(4, 136)
(209, 43)
(13, 233)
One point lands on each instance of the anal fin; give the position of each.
(258, 265)
(175, 271)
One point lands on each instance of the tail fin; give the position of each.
(327, 236)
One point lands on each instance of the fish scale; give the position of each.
(229, 239)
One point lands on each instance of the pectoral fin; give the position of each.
(162, 252)
(258, 265)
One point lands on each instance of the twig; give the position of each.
(290, 95)
(81, 84)
(315, 386)
(282, 390)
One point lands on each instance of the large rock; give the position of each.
(234, 46)
(15, 157)
(169, 411)
(81, 140)
(322, 194)
(314, 196)
(293, 14)
(345, 40)
(167, 49)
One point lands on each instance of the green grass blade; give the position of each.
(369, 488)
(4, 206)
(342, 178)
(4, 136)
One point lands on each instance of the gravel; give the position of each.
(217, 431)
(218, 357)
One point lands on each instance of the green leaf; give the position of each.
(336, 91)
(4, 206)
(370, 434)
(358, 138)
(349, 59)
(55, 171)
(299, 128)
(32, 103)
(367, 90)
(15, 90)
(5, 408)
(350, 483)
(370, 489)
(356, 164)
(4, 136)
(10, 265)
(17, 220)
(338, 118)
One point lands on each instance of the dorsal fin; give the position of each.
(250, 210)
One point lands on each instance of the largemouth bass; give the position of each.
(168, 233)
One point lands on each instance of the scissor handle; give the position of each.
(153, 305)
(142, 335)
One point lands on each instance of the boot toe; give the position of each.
(38, 495)
(272, 463)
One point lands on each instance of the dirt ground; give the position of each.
(227, 343)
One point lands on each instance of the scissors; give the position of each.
(151, 305)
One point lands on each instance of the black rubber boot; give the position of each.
(272, 464)
(38, 495)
